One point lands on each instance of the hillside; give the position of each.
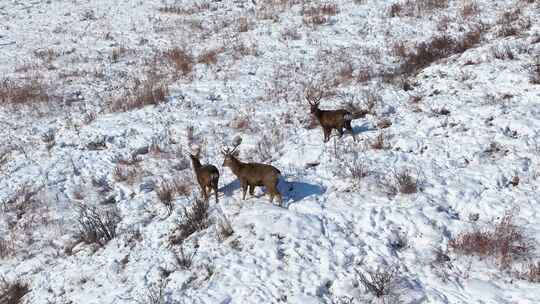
(436, 201)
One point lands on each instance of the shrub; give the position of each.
(12, 293)
(531, 273)
(146, 92)
(318, 14)
(534, 76)
(225, 230)
(168, 190)
(512, 22)
(469, 9)
(380, 283)
(439, 47)
(506, 242)
(400, 182)
(380, 143)
(209, 57)
(502, 52)
(97, 226)
(23, 91)
(184, 259)
(195, 218)
(182, 60)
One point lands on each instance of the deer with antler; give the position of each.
(331, 119)
(252, 175)
(207, 175)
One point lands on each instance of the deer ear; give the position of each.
(236, 153)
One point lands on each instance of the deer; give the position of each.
(252, 175)
(331, 119)
(207, 175)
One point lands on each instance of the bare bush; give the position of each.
(416, 8)
(400, 182)
(150, 91)
(534, 70)
(97, 226)
(506, 242)
(12, 292)
(380, 142)
(384, 123)
(439, 47)
(269, 145)
(512, 22)
(502, 52)
(24, 91)
(380, 283)
(225, 229)
(168, 190)
(183, 258)
(209, 57)
(318, 14)
(181, 58)
(531, 273)
(195, 218)
(469, 8)
(185, 10)
(124, 173)
(7, 248)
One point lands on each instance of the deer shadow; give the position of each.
(229, 188)
(365, 127)
(291, 191)
(294, 191)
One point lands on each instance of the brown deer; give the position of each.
(207, 175)
(253, 174)
(331, 119)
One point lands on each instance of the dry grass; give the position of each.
(512, 22)
(502, 52)
(97, 226)
(12, 293)
(183, 61)
(416, 8)
(380, 283)
(506, 242)
(531, 273)
(150, 91)
(469, 9)
(318, 14)
(23, 91)
(183, 10)
(210, 57)
(380, 142)
(534, 70)
(195, 218)
(439, 47)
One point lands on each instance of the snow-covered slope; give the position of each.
(464, 126)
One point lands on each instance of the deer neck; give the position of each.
(236, 165)
(196, 163)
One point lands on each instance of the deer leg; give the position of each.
(340, 131)
(205, 195)
(252, 190)
(216, 192)
(349, 128)
(244, 190)
(327, 132)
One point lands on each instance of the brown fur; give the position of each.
(254, 174)
(330, 119)
(207, 177)
(333, 119)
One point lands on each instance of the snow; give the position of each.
(331, 226)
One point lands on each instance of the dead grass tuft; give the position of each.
(506, 242)
(12, 292)
(23, 91)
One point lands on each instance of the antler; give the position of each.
(236, 142)
(313, 95)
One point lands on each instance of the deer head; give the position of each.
(231, 154)
(313, 97)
